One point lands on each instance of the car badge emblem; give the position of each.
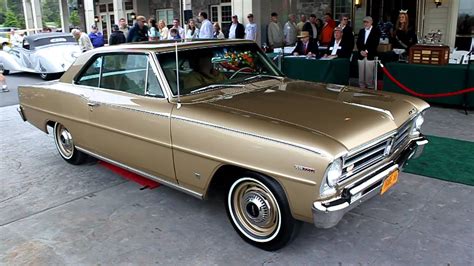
(304, 168)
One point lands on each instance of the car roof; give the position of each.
(170, 44)
(38, 36)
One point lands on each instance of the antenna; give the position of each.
(177, 74)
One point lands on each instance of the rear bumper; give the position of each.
(327, 214)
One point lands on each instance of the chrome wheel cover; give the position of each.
(254, 209)
(64, 141)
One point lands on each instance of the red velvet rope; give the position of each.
(422, 95)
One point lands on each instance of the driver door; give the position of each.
(130, 116)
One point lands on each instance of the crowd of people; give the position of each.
(153, 30)
(311, 37)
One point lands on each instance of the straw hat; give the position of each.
(303, 34)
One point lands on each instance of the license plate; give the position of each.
(389, 182)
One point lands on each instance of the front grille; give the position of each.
(402, 135)
(374, 152)
(365, 158)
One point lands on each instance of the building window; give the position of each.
(342, 7)
(102, 8)
(465, 26)
(166, 15)
(223, 15)
(111, 7)
(128, 5)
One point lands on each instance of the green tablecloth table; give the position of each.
(334, 71)
(429, 79)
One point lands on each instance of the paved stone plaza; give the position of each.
(55, 213)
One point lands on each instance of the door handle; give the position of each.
(92, 104)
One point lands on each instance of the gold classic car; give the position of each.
(220, 114)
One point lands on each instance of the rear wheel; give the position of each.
(65, 145)
(259, 211)
(45, 76)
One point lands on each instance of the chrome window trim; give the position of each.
(156, 67)
(144, 174)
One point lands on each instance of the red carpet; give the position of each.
(131, 176)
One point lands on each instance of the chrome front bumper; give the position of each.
(327, 214)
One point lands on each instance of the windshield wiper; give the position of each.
(265, 76)
(213, 86)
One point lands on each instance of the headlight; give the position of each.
(334, 173)
(417, 124)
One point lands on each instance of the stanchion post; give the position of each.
(376, 72)
(466, 83)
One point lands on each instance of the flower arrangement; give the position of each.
(238, 60)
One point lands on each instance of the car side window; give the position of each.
(91, 76)
(130, 73)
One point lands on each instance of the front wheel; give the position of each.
(65, 145)
(259, 211)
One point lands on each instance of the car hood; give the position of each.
(349, 115)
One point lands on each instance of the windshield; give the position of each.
(221, 65)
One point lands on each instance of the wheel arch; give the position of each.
(225, 174)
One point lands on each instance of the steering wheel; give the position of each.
(238, 71)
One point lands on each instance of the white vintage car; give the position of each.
(48, 54)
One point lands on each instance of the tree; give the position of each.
(11, 20)
(74, 18)
(50, 10)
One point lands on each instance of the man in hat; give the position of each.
(96, 37)
(367, 43)
(338, 47)
(117, 36)
(306, 45)
(139, 32)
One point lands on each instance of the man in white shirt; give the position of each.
(182, 34)
(290, 30)
(206, 31)
(338, 47)
(251, 29)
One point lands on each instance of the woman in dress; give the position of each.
(404, 36)
(153, 31)
(192, 32)
(164, 31)
(217, 32)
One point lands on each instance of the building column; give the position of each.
(33, 16)
(37, 16)
(89, 14)
(28, 15)
(118, 11)
(142, 8)
(64, 12)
